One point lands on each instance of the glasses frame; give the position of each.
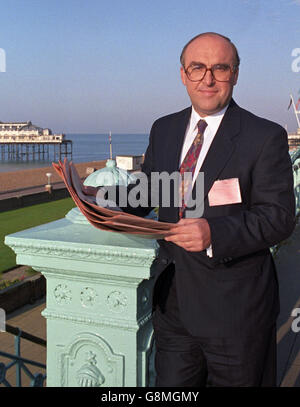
(233, 69)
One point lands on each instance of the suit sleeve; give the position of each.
(271, 214)
(144, 189)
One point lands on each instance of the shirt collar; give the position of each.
(213, 121)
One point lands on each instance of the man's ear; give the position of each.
(183, 75)
(236, 75)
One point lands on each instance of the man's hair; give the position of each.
(237, 57)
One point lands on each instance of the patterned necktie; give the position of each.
(190, 161)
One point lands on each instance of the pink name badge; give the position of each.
(225, 192)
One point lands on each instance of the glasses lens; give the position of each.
(196, 72)
(221, 72)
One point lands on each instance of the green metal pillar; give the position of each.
(98, 308)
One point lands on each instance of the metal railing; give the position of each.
(295, 156)
(21, 364)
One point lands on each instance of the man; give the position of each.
(216, 292)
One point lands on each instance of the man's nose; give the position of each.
(208, 78)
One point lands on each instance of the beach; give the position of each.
(18, 180)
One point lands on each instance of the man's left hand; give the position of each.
(191, 234)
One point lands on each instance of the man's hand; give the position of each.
(191, 234)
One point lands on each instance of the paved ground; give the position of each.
(30, 190)
(29, 319)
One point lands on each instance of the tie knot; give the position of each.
(201, 126)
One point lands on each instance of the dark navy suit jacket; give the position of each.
(235, 292)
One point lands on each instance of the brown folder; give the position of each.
(104, 218)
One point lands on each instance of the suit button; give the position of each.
(165, 261)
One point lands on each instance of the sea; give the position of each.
(88, 147)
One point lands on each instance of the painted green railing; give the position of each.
(20, 363)
(296, 171)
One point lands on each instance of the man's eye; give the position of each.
(221, 68)
(198, 67)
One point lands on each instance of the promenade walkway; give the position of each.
(29, 318)
(30, 190)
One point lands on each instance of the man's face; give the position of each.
(209, 96)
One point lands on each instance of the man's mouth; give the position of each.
(208, 92)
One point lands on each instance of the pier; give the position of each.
(26, 141)
(26, 151)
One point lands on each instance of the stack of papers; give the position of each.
(104, 218)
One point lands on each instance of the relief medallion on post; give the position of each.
(62, 294)
(116, 301)
(88, 297)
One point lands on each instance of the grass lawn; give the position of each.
(24, 218)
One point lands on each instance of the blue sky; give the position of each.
(96, 65)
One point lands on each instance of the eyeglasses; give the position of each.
(220, 72)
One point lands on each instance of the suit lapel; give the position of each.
(176, 138)
(222, 146)
(175, 134)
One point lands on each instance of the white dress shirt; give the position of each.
(213, 122)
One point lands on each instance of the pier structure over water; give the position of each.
(25, 141)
